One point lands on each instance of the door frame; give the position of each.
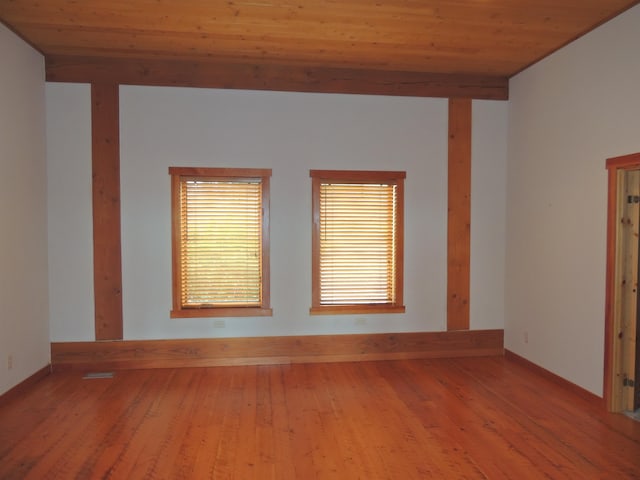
(611, 348)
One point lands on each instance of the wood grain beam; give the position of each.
(209, 352)
(273, 77)
(459, 215)
(107, 262)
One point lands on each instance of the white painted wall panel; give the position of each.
(71, 306)
(488, 213)
(24, 338)
(290, 133)
(567, 114)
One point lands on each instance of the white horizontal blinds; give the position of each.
(221, 242)
(357, 243)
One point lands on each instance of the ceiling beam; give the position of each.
(182, 73)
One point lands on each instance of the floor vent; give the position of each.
(98, 375)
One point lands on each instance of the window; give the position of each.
(357, 245)
(220, 240)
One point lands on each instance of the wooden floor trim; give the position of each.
(134, 354)
(578, 390)
(23, 386)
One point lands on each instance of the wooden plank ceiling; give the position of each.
(404, 47)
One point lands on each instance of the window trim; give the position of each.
(226, 174)
(356, 176)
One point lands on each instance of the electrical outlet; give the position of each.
(219, 323)
(361, 321)
(9, 362)
(526, 337)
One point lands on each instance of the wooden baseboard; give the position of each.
(20, 388)
(132, 354)
(576, 389)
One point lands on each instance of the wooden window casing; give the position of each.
(220, 242)
(357, 242)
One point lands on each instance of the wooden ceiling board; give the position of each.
(492, 38)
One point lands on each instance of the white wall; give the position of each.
(488, 213)
(567, 114)
(290, 133)
(71, 304)
(23, 241)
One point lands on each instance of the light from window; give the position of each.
(220, 221)
(357, 261)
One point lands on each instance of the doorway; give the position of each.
(622, 331)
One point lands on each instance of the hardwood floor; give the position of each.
(408, 419)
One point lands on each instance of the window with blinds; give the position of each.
(357, 263)
(220, 239)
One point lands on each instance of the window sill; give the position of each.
(222, 312)
(355, 309)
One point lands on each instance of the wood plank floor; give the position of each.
(408, 419)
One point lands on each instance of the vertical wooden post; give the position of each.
(459, 214)
(107, 261)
